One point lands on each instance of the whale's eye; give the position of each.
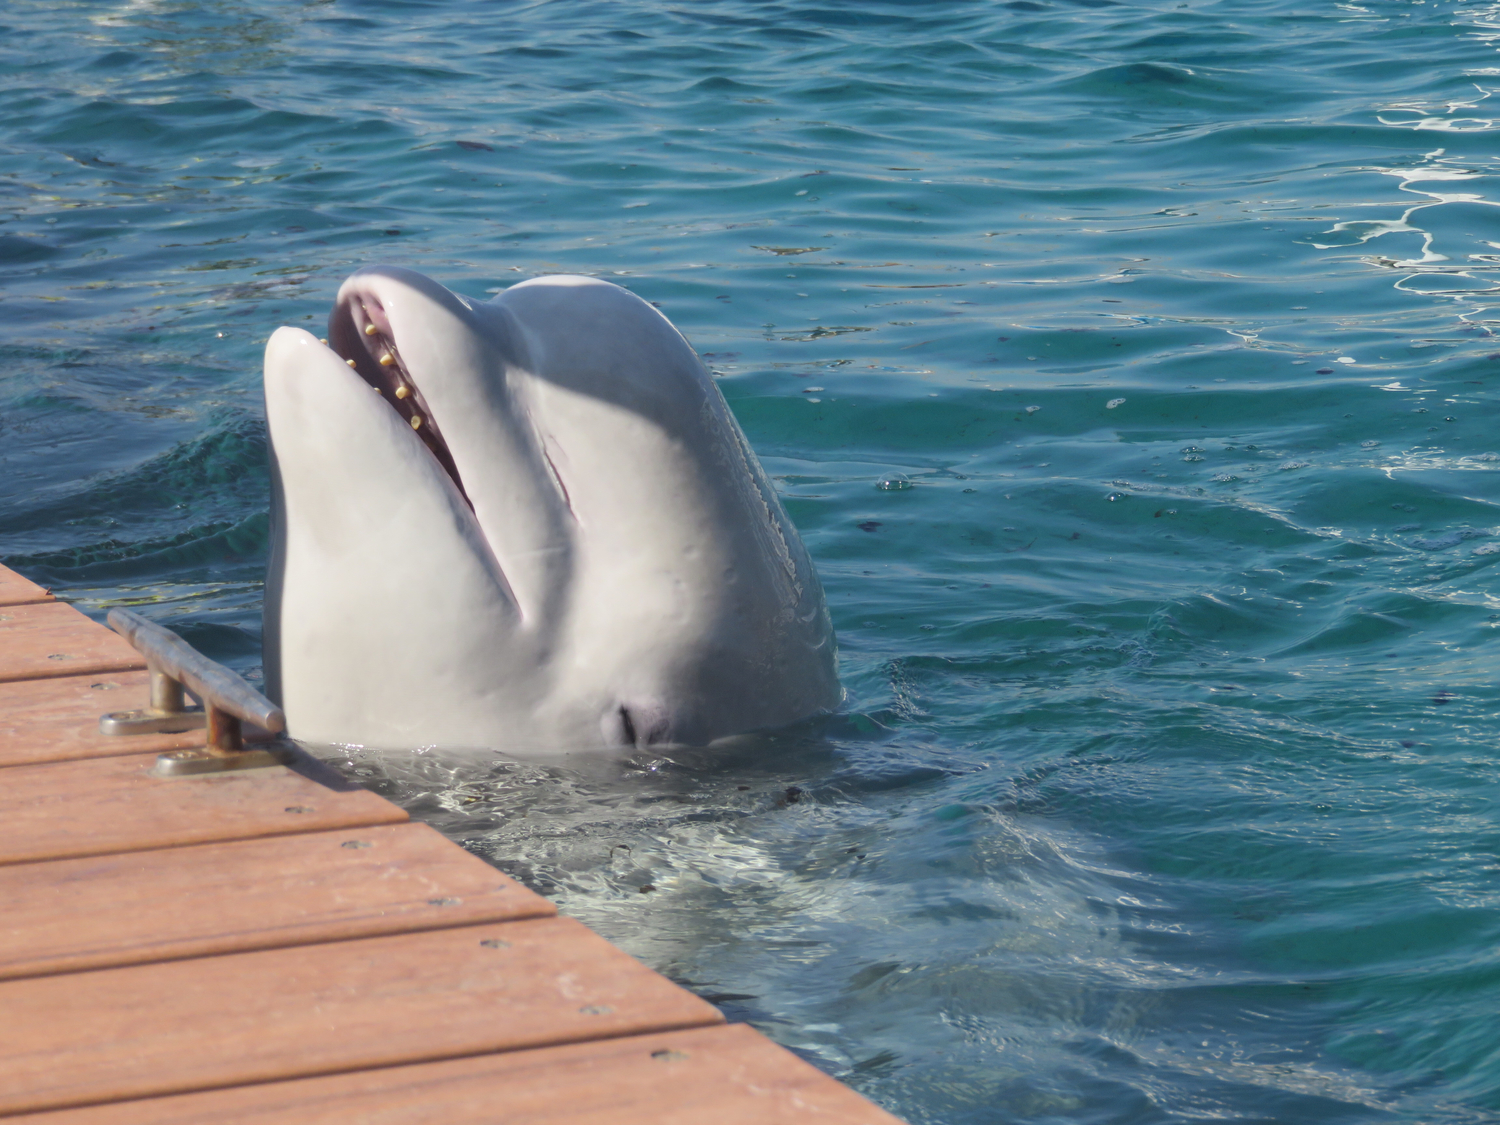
(640, 723)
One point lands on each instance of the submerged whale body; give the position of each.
(528, 525)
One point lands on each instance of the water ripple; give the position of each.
(1165, 788)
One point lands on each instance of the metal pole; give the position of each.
(224, 733)
(167, 695)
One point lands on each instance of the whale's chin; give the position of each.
(528, 525)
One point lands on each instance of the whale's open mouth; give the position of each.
(585, 557)
(359, 332)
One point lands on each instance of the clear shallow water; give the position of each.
(1165, 789)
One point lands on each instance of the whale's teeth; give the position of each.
(402, 391)
(350, 362)
(387, 359)
(369, 330)
(416, 421)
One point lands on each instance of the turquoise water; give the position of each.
(1165, 788)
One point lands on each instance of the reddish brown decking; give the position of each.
(279, 946)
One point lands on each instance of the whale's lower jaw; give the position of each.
(504, 690)
(611, 732)
(503, 731)
(571, 721)
(555, 541)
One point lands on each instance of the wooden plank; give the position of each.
(53, 639)
(15, 590)
(72, 914)
(108, 805)
(724, 1075)
(58, 720)
(147, 1030)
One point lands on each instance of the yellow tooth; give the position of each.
(387, 359)
(416, 421)
(376, 389)
(402, 391)
(323, 340)
(369, 330)
(350, 362)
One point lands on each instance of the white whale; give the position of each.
(528, 525)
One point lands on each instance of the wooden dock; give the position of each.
(278, 945)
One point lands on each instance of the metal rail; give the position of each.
(178, 668)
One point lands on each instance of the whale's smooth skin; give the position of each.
(576, 550)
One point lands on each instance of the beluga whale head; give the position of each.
(528, 525)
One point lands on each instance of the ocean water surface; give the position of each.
(1128, 367)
